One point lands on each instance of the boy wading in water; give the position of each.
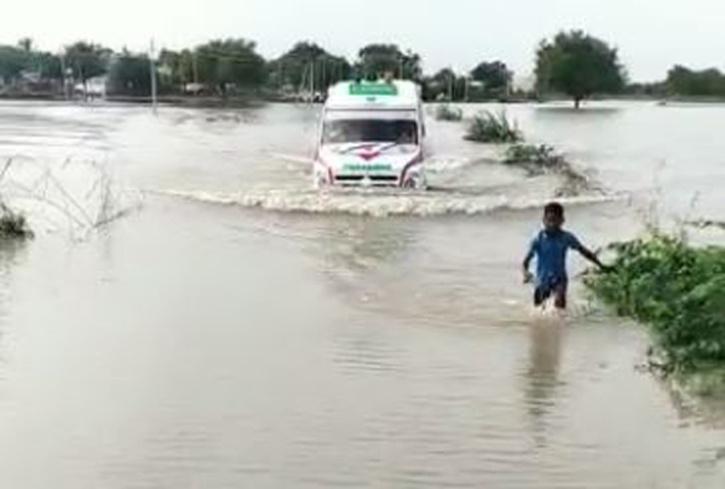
(550, 247)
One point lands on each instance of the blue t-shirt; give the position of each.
(550, 250)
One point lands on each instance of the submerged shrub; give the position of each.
(535, 158)
(707, 223)
(678, 290)
(445, 112)
(13, 224)
(542, 158)
(486, 127)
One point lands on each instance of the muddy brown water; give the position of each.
(233, 328)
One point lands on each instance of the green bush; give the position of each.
(536, 158)
(486, 127)
(445, 112)
(678, 290)
(13, 224)
(542, 158)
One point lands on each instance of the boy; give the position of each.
(550, 247)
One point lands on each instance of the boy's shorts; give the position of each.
(555, 286)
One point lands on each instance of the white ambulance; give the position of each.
(371, 134)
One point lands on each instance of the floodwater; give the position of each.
(229, 327)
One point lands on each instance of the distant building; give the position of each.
(194, 88)
(524, 83)
(93, 88)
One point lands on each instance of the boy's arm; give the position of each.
(590, 255)
(528, 277)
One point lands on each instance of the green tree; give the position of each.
(442, 85)
(494, 76)
(13, 60)
(87, 60)
(176, 69)
(446, 85)
(130, 74)
(684, 81)
(26, 44)
(578, 65)
(307, 60)
(229, 62)
(47, 65)
(173, 71)
(376, 60)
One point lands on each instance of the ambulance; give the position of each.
(371, 135)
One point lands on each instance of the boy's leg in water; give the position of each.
(560, 295)
(541, 293)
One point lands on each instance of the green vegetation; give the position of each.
(578, 65)
(307, 66)
(445, 85)
(13, 225)
(535, 158)
(228, 64)
(707, 223)
(87, 60)
(376, 60)
(494, 78)
(706, 83)
(445, 112)
(232, 67)
(486, 127)
(130, 75)
(14, 60)
(487, 81)
(678, 290)
(572, 63)
(219, 67)
(541, 159)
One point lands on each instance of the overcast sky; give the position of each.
(651, 35)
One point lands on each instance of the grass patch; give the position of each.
(486, 127)
(676, 289)
(445, 112)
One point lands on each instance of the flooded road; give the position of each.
(233, 328)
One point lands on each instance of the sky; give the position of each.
(651, 35)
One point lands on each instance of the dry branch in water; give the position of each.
(97, 205)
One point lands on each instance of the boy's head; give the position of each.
(553, 216)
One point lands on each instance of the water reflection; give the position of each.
(353, 250)
(12, 253)
(362, 349)
(542, 376)
(364, 244)
(583, 113)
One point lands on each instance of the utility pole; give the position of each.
(195, 65)
(61, 57)
(152, 66)
(312, 81)
(324, 75)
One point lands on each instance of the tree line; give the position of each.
(572, 63)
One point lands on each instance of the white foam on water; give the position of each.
(293, 158)
(435, 164)
(447, 163)
(377, 203)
